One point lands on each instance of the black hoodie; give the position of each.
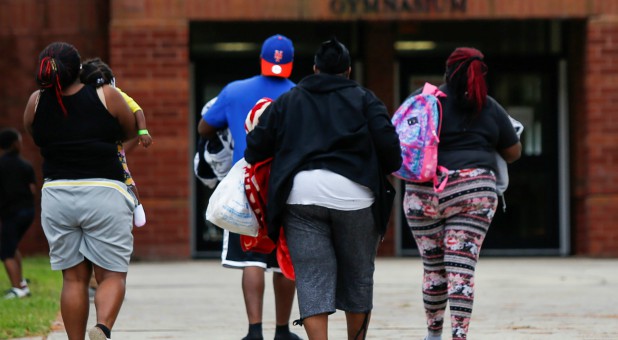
(325, 122)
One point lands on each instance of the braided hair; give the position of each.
(96, 72)
(465, 75)
(59, 66)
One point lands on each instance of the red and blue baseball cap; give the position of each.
(277, 56)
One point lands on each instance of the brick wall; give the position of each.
(380, 37)
(152, 65)
(26, 27)
(596, 186)
(146, 43)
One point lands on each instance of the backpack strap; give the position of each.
(430, 89)
(433, 90)
(441, 172)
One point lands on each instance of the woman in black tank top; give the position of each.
(77, 137)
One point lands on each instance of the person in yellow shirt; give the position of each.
(97, 73)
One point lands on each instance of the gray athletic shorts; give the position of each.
(333, 253)
(88, 218)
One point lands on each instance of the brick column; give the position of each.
(596, 185)
(378, 75)
(26, 28)
(149, 55)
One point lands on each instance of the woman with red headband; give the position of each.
(449, 227)
(86, 208)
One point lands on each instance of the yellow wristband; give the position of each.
(142, 132)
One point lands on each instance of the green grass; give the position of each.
(32, 315)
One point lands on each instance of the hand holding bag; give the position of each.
(228, 207)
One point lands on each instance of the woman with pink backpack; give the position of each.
(449, 226)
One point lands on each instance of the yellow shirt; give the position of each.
(132, 103)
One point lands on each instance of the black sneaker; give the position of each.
(287, 336)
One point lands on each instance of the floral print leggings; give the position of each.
(449, 229)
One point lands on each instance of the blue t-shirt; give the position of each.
(237, 99)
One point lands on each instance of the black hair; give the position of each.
(332, 57)
(8, 136)
(59, 66)
(96, 72)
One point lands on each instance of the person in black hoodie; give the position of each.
(331, 141)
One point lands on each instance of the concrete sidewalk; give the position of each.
(516, 298)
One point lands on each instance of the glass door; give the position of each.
(530, 221)
(526, 87)
(529, 224)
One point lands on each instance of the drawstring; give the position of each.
(363, 328)
(299, 322)
(503, 203)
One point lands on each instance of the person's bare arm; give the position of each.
(117, 106)
(130, 145)
(144, 139)
(512, 153)
(206, 130)
(30, 110)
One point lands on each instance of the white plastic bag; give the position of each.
(228, 207)
(502, 174)
(502, 177)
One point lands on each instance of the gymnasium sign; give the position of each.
(396, 6)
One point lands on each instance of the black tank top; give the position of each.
(81, 144)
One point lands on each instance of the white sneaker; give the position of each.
(24, 286)
(95, 333)
(221, 161)
(16, 293)
(211, 183)
(139, 216)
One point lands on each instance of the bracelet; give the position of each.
(142, 132)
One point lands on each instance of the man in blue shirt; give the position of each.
(230, 110)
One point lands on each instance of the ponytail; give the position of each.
(59, 66)
(48, 78)
(465, 73)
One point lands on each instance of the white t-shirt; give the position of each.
(328, 189)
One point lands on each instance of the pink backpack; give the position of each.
(417, 122)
